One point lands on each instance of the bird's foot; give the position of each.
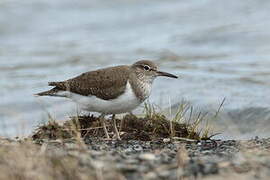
(116, 136)
(102, 119)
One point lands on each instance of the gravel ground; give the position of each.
(160, 159)
(172, 159)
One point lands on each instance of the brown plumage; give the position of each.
(106, 83)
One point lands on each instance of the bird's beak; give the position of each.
(160, 73)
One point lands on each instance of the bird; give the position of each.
(111, 90)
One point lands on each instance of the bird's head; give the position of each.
(147, 71)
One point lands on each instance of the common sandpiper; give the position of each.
(112, 90)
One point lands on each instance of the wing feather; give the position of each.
(106, 83)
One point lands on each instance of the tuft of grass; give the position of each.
(150, 126)
(51, 130)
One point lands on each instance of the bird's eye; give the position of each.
(146, 67)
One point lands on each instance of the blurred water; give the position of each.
(220, 49)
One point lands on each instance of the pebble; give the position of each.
(147, 156)
(166, 140)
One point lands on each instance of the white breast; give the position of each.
(124, 103)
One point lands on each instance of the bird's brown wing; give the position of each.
(106, 83)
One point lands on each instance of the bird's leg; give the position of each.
(115, 127)
(102, 119)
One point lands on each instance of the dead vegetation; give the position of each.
(26, 160)
(151, 126)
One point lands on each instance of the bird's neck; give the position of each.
(140, 86)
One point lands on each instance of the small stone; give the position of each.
(71, 146)
(210, 168)
(147, 156)
(127, 168)
(166, 140)
(165, 174)
(137, 148)
(132, 161)
(98, 164)
(151, 175)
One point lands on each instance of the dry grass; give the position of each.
(150, 126)
(25, 160)
(182, 161)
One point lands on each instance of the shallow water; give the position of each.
(219, 49)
